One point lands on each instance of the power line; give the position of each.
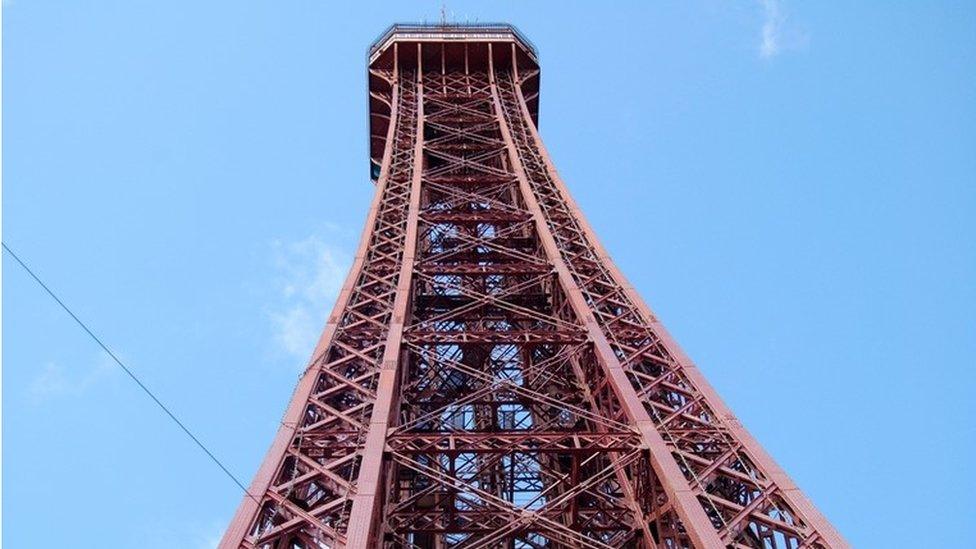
(129, 372)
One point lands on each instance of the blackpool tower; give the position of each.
(488, 378)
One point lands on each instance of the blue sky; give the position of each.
(792, 187)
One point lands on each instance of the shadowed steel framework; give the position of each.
(488, 378)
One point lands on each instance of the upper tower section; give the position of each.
(443, 48)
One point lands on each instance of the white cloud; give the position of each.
(777, 34)
(311, 273)
(54, 380)
(295, 329)
(771, 29)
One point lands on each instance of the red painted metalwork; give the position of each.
(489, 379)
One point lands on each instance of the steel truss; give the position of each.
(489, 379)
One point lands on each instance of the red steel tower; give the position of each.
(489, 378)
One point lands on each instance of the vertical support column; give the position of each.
(699, 527)
(365, 516)
(244, 517)
(785, 487)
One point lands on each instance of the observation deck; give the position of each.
(443, 48)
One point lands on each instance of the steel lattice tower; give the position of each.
(488, 378)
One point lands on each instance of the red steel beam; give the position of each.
(785, 486)
(699, 526)
(240, 525)
(364, 521)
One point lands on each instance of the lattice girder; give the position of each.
(488, 378)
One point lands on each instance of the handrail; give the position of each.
(475, 28)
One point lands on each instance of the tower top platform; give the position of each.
(443, 49)
(451, 32)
